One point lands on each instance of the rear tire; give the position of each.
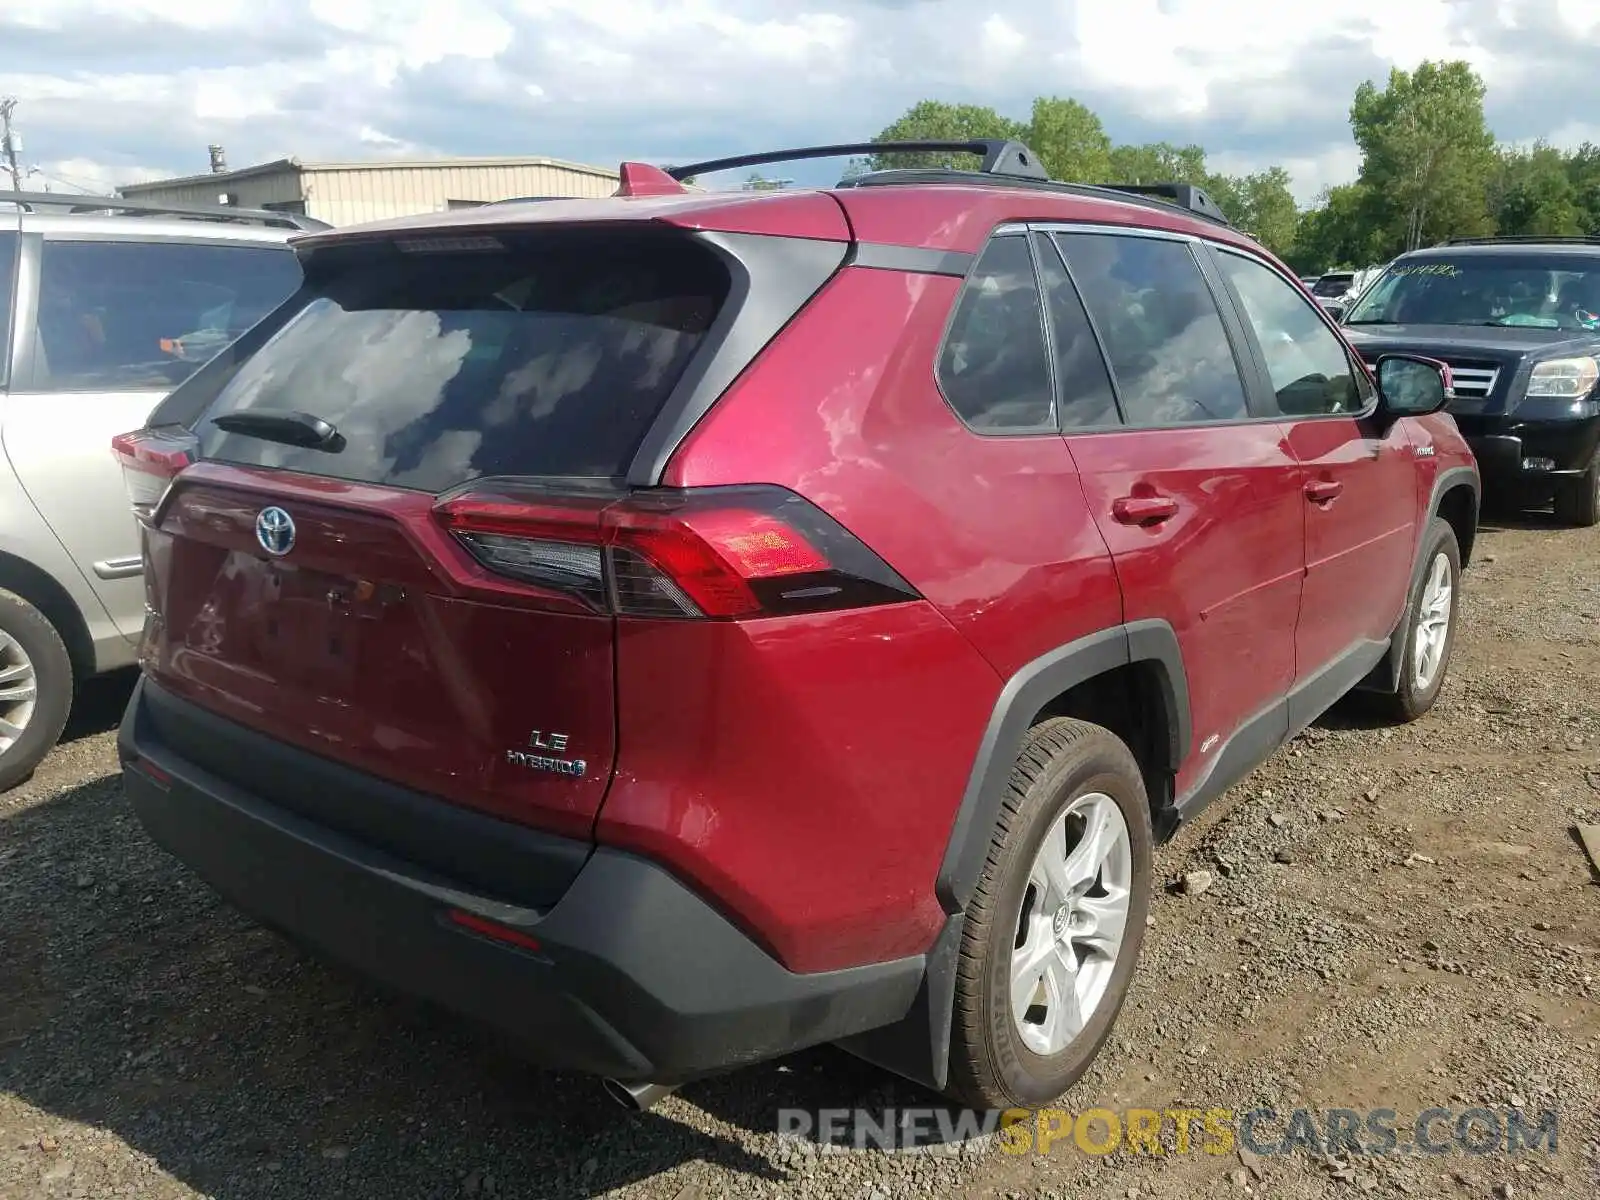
(1056, 921)
(1430, 624)
(1578, 500)
(36, 687)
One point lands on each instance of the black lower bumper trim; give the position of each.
(1503, 448)
(635, 976)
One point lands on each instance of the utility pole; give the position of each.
(8, 140)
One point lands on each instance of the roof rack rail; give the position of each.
(1164, 196)
(1525, 239)
(1008, 159)
(1005, 162)
(60, 202)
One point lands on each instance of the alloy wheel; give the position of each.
(1072, 923)
(1433, 623)
(19, 690)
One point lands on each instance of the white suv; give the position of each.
(105, 306)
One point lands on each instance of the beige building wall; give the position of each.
(252, 191)
(353, 193)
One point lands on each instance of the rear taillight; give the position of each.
(719, 553)
(150, 459)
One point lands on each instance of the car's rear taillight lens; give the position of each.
(150, 460)
(720, 553)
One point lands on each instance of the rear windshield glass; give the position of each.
(544, 356)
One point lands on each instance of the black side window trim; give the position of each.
(1252, 373)
(1052, 427)
(1358, 368)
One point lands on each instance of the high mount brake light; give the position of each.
(150, 459)
(717, 553)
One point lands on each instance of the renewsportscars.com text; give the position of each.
(1220, 1130)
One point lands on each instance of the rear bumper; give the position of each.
(634, 976)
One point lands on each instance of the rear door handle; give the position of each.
(1322, 491)
(1143, 510)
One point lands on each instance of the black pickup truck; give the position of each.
(1518, 320)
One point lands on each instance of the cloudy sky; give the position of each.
(121, 90)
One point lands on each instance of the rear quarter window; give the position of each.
(995, 366)
(543, 355)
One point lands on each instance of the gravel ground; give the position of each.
(1394, 919)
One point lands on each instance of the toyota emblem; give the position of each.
(275, 531)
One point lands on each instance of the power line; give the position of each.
(8, 140)
(88, 189)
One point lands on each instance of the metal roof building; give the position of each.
(351, 193)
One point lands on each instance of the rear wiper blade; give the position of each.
(291, 428)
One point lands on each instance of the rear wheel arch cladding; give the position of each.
(1027, 698)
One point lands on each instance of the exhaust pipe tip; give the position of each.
(638, 1097)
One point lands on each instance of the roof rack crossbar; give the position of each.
(1001, 157)
(128, 206)
(1525, 239)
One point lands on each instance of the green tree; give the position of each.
(1069, 140)
(1337, 233)
(1531, 192)
(1427, 155)
(934, 120)
(1073, 145)
(1583, 169)
(1262, 205)
(1159, 162)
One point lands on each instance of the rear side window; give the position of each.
(1169, 352)
(135, 316)
(546, 356)
(1087, 401)
(8, 277)
(995, 368)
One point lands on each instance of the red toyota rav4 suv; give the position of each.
(684, 627)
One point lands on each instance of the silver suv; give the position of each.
(105, 306)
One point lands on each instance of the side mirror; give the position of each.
(1335, 309)
(1412, 386)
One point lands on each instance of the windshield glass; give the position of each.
(1533, 291)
